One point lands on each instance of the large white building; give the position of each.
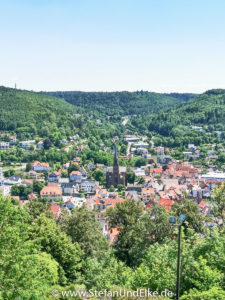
(141, 145)
(218, 176)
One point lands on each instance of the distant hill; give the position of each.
(207, 109)
(122, 103)
(182, 96)
(30, 113)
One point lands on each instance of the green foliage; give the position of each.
(21, 191)
(84, 229)
(158, 269)
(30, 114)
(47, 144)
(117, 104)
(214, 293)
(112, 189)
(28, 167)
(38, 255)
(138, 230)
(218, 199)
(194, 217)
(130, 176)
(37, 207)
(98, 174)
(140, 162)
(37, 186)
(206, 110)
(25, 272)
(106, 272)
(73, 167)
(9, 173)
(58, 244)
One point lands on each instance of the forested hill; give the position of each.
(30, 113)
(207, 110)
(123, 103)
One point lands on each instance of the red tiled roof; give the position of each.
(166, 203)
(110, 201)
(51, 190)
(156, 170)
(202, 204)
(55, 209)
(31, 196)
(76, 173)
(36, 163)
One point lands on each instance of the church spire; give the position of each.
(115, 157)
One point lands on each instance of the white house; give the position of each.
(90, 165)
(26, 144)
(4, 145)
(139, 172)
(192, 147)
(187, 154)
(5, 190)
(13, 180)
(88, 186)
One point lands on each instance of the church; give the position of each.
(116, 175)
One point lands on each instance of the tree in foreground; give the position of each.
(25, 272)
(83, 227)
(138, 230)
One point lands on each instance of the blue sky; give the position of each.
(109, 45)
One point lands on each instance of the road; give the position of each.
(126, 119)
(128, 148)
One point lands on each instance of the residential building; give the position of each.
(75, 176)
(40, 167)
(166, 203)
(131, 138)
(141, 145)
(88, 186)
(70, 189)
(83, 171)
(54, 176)
(52, 192)
(103, 204)
(192, 147)
(33, 174)
(26, 144)
(90, 165)
(12, 139)
(56, 210)
(5, 190)
(218, 176)
(13, 180)
(4, 145)
(148, 194)
(40, 145)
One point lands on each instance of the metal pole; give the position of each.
(178, 264)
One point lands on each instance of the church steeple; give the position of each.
(115, 158)
(116, 175)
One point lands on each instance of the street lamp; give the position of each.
(173, 221)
